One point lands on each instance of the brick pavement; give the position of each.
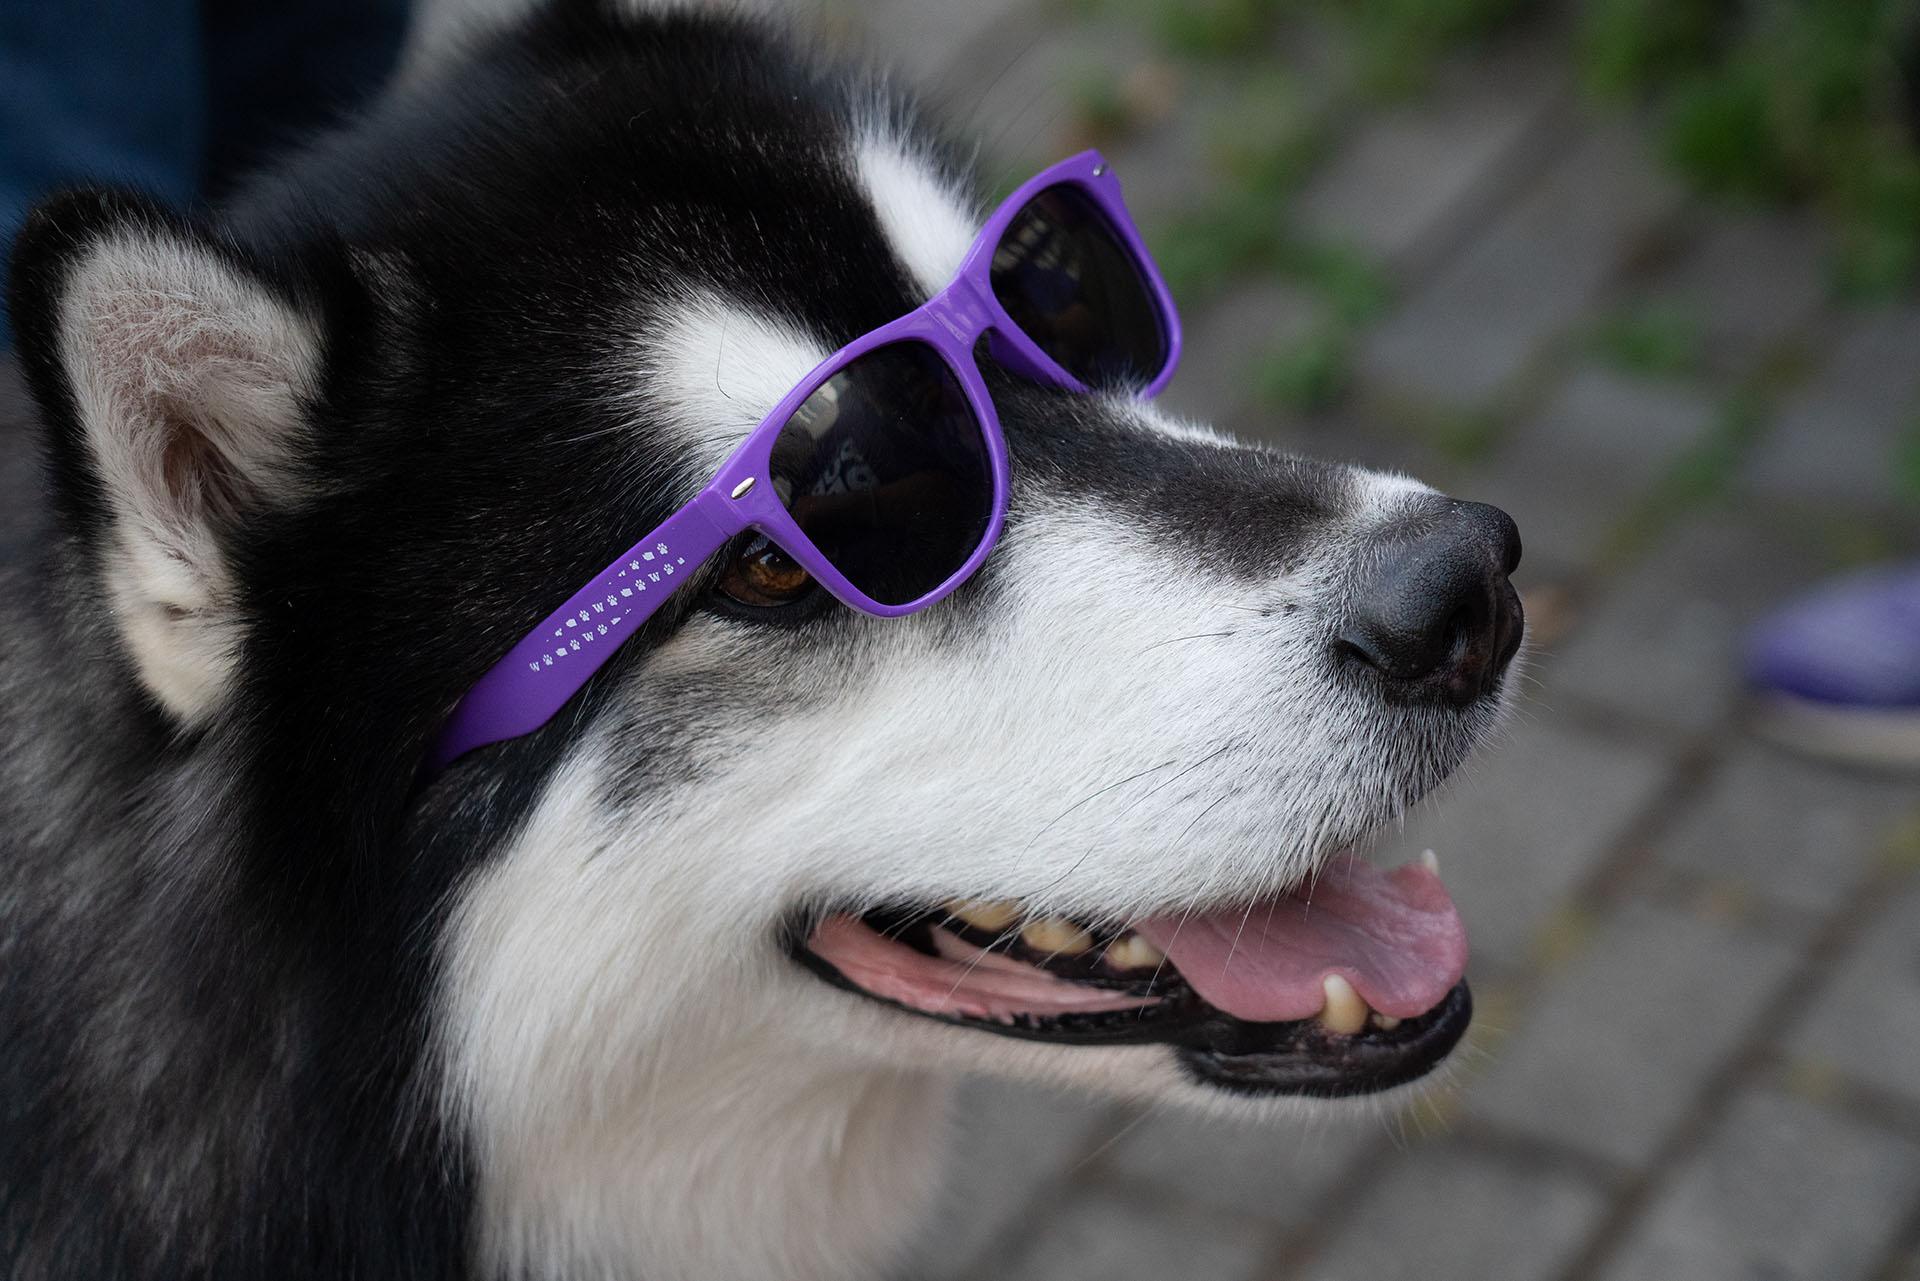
(1698, 957)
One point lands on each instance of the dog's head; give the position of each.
(1089, 818)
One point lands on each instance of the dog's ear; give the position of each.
(175, 377)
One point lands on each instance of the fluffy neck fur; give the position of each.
(710, 1162)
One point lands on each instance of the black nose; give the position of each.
(1438, 618)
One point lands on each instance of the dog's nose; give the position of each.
(1438, 619)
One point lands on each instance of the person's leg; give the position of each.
(1837, 672)
(108, 91)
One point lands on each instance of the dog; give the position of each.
(676, 986)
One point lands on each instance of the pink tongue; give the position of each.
(1394, 935)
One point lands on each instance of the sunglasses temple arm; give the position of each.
(522, 691)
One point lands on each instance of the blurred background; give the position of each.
(1643, 273)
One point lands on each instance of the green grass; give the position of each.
(1627, 45)
(1268, 139)
(1790, 100)
(1215, 28)
(1355, 289)
(1397, 43)
(1101, 113)
(1701, 475)
(1307, 375)
(1907, 464)
(1461, 435)
(1229, 237)
(1767, 102)
(1655, 340)
(1720, 134)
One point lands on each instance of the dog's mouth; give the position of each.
(1348, 986)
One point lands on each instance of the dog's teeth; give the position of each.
(985, 914)
(1131, 952)
(1056, 935)
(1430, 861)
(1344, 1012)
(1385, 1022)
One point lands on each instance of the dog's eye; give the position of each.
(761, 574)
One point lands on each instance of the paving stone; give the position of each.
(1753, 279)
(1527, 278)
(1801, 832)
(1446, 1213)
(1410, 171)
(1783, 1191)
(1169, 165)
(1018, 103)
(929, 45)
(1574, 473)
(1226, 341)
(1101, 1236)
(1866, 1021)
(1342, 435)
(1278, 1172)
(1010, 1143)
(1619, 1046)
(1665, 642)
(1838, 440)
(1518, 830)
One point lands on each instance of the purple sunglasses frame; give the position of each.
(535, 678)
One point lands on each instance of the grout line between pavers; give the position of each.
(1052, 1195)
(1292, 1248)
(1520, 1148)
(1902, 1253)
(1869, 1104)
(1746, 1063)
(1600, 893)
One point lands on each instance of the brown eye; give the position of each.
(761, 574)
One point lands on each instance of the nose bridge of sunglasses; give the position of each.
(961, 309)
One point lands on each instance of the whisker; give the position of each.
(1234, 946)
(1054, 821)
(1124, 1131)
(1088, 852)
(1171, 940)
(1175, 640)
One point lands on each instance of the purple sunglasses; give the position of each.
(883, 473)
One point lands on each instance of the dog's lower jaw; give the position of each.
(775, 1167)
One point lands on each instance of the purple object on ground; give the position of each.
(550, 664)
(1838, 671)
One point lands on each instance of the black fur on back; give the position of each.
(217, 950)
(215, 953)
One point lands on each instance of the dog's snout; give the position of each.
(1438, 617)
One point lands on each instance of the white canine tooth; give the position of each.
(985, 914)
(1344, 1011)
(1385, 1022)
(1131, 952)
(1056, 935)
(1430, 861)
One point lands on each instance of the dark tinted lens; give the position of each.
(885, 468)
(1065, 278)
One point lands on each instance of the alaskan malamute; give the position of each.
(674, 985)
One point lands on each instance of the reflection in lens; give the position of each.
(885, 468)
(1065, 278)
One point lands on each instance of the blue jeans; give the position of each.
(176, 97)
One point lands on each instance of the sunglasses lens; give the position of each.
(885, 468)
(1065, 277)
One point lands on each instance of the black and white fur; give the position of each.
(314, 462)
